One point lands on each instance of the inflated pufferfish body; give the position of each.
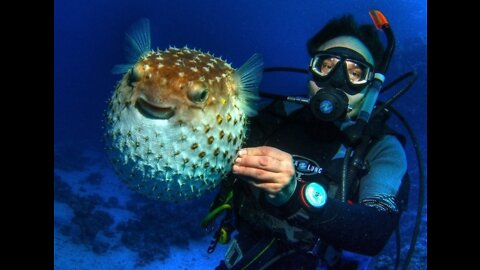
(177, 118)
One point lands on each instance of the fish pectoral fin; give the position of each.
(248, 78)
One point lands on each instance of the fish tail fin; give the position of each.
(137, 44)
(248, 78)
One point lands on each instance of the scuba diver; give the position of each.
(318, 183)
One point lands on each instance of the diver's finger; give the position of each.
(262, 162)
(259, 174)
(264, 151)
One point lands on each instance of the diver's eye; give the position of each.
(198, 95)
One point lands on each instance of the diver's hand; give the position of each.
(267, 168)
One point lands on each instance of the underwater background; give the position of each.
(98, 222)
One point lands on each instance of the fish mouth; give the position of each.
(154, 111)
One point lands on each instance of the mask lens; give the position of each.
(358, 72)
(324, 64)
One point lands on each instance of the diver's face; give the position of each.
(343, 63)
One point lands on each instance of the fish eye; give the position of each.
(198, 95)
(135, 76)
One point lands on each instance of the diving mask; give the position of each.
(340, 70)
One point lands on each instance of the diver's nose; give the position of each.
(338, 79)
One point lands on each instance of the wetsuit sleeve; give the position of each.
(365, 227)
(358, 228)
(388, 165)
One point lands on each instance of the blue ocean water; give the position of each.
(94, 212)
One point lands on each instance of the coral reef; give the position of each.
(157, 226)
(94, 178)
(87, 222)
(152, 230)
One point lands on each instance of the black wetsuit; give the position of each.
(364, 224)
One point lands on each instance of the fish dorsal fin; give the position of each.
(248, 78)
(138, 41)
(137, 44)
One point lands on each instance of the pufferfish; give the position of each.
(177, 117)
